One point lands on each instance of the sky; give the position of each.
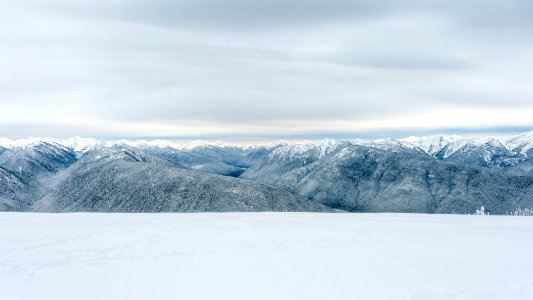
(257, 69)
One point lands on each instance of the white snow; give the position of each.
(298, 150)
(522, 142)
(79, 144)
(179, 145)
(429, 144)
(265, 256)
(22, 143)
(434, 143)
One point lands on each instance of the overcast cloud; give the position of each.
(208, 68)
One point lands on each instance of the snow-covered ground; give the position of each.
(257, 256)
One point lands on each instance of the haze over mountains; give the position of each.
(435, 174)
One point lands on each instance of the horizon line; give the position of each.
(310, 137)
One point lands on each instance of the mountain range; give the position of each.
(431, 174)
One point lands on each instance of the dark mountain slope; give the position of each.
(15, 191)
(129, 180)
(24, 172)
(39, 159)
(358, 178)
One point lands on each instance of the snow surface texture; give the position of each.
(265, 256)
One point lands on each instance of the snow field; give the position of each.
(265, 256)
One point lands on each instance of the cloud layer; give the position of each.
(255, 68)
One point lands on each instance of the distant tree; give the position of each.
(481, 211)
(523, 212)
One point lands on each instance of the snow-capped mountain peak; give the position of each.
(319, 149)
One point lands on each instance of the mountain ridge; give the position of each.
(430, 144)
(431, 174)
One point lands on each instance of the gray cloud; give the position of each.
(112, 67)
(240, 14)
